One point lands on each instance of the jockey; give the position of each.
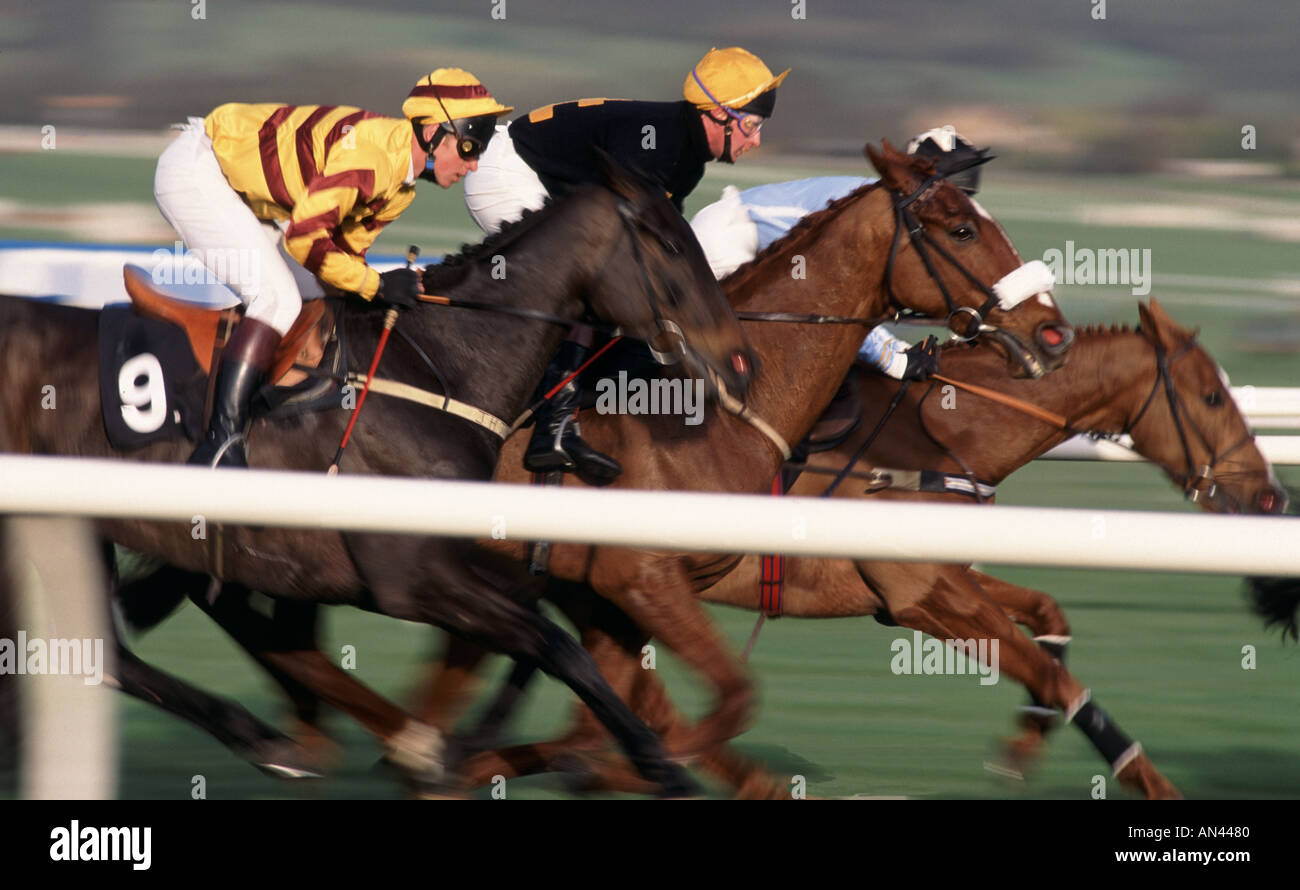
(726, 99)
(332, 177)
(735, 228)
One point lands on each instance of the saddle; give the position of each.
(157, 354)
(840, 418)
(207, 329)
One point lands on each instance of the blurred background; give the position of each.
(1131, 131)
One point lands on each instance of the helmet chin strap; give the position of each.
(428, 173)
(725, 157)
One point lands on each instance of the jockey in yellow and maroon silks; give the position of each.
(333, 177)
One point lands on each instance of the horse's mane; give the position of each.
(454, 266)
(801, 231)
(1100, 330)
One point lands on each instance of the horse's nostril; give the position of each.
(1055, 339)
(1270, 501)
(743, 364)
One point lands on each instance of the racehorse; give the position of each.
(1155, 384)
(856, 260)
(621, 253)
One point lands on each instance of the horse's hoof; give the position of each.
(284, 759)
(1140, 775)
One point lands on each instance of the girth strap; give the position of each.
(438, 402)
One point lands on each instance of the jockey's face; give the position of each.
(449, 167)
(743, 138)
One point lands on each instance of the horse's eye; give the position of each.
(672, 245)
(963, 233)
(1214, 399)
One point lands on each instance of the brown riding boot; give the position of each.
(244, 365)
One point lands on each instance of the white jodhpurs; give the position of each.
(215, 224)
(503, 186)
(726, 232)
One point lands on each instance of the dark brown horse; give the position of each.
(622, 253)
(845, 261)
(1117, 381)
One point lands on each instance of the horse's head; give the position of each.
(656, 284)
(1190, 425)
(951, 260)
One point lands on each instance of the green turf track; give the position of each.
(1162, 653)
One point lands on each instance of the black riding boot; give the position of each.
(556, 443)
(244, 365)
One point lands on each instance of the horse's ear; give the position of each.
(1157, 324)
(895, 167)
(1146, 322)
(620, 180)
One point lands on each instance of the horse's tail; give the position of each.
(1277, 601)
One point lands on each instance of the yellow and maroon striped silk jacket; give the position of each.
(336, 173)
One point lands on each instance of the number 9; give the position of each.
(144, 407)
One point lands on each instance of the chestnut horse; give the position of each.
(850, 260)
(622, 253)
(1155, 384)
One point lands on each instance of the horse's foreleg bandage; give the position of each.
(1054, 645)
(417, 748)
(1109, 740)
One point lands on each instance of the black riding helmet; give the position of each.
(953, 156)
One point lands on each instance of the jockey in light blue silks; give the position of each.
(735, 228)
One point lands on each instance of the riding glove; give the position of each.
(399, 288)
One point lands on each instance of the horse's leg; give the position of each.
(945, 602)
(657, 595)
(286, 647)
(146, 601)
(1046, 620)
(246, 736)
(611, 639)
(470, 604)
(450, 684)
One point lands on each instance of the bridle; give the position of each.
(1008, 292)
(631, 215)
(1195, 483)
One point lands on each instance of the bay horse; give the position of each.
(1155, 384)
(621, 253)
(854, 262)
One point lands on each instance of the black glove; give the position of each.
(922, 360)
(399, 288)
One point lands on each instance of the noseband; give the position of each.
(1012, 289)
